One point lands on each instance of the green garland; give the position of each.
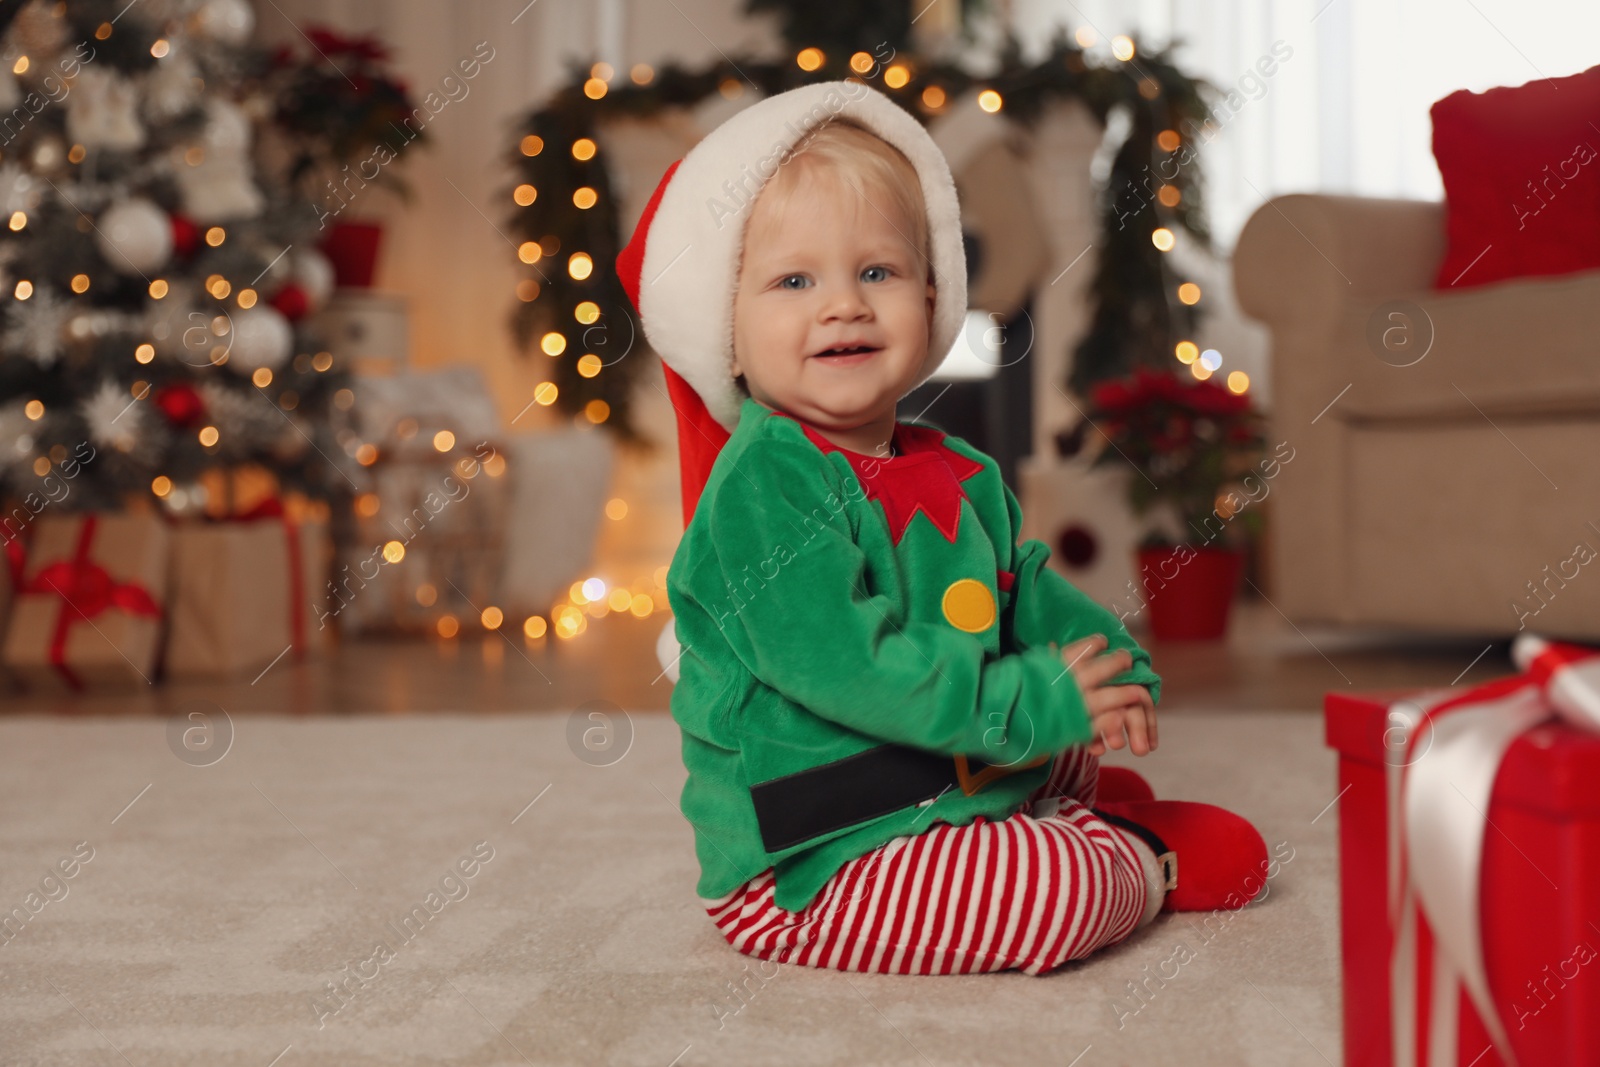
(841, 25)
(1137, 318)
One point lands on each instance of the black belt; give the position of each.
(798, 807)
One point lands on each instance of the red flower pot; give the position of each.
(1189, 590)
(352, 248)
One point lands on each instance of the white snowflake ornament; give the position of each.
(34, 326)
(115, 419)
(18, 190)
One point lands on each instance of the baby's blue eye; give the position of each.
(884, 269)
(783, 282)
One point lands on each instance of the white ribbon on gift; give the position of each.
(1571, 676)
(1438, 804)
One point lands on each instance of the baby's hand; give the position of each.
(1116, 711)
(1136, 721)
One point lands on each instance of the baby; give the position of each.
(892, 710)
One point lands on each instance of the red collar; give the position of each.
(925, 476)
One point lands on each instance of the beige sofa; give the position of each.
(1459, 493)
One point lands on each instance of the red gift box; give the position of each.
(1538, 904)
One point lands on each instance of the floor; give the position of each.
(214, 907)
(1266, 662)
(226, 890)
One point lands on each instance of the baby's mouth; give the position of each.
(842, 351)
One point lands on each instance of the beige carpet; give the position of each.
(216, 907)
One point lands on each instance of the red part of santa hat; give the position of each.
(700, 437)
(680, 267)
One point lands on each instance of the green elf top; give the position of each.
(866, 647)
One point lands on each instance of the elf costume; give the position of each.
(879, 730)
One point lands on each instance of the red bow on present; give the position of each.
(88, 590)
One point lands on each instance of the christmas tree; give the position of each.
(155, 270)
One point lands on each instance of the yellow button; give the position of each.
(969, 605)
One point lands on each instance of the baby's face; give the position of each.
(831, 269)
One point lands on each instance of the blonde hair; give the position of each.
(867, 162)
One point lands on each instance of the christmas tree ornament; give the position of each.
(314, 274)
(170, 88)
(249, 418)
(115, 419)
(260, 336)
(291, 300)
(34, 326)
(276, 266)
(135, 236)
(180, 403)
(220, 187)
(228, 21)
(185, 235)
(16, 434)
(18, 190)
(102, 111)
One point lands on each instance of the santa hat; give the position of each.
(680, 267)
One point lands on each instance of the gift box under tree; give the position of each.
(89, 607)
(1469, 843)
(246, 592)
(13, 559)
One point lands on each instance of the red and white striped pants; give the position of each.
(1026, 893)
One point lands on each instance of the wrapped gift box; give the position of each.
(89, 607)
(242, 594)
(1539, 895)
(13, 560)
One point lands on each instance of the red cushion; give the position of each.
(1521, 170)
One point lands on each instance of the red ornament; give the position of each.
(185, 235)
(292, 301)
(180, 404)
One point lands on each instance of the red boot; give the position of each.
(1224, 859)
(1118, 784)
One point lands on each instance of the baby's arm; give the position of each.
(1047, 608)
(792, 600)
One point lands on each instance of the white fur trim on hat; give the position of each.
(691, 252)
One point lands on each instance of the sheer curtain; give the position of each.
(1347, 110)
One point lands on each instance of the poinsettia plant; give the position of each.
(341, 107)
(1188, 441)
